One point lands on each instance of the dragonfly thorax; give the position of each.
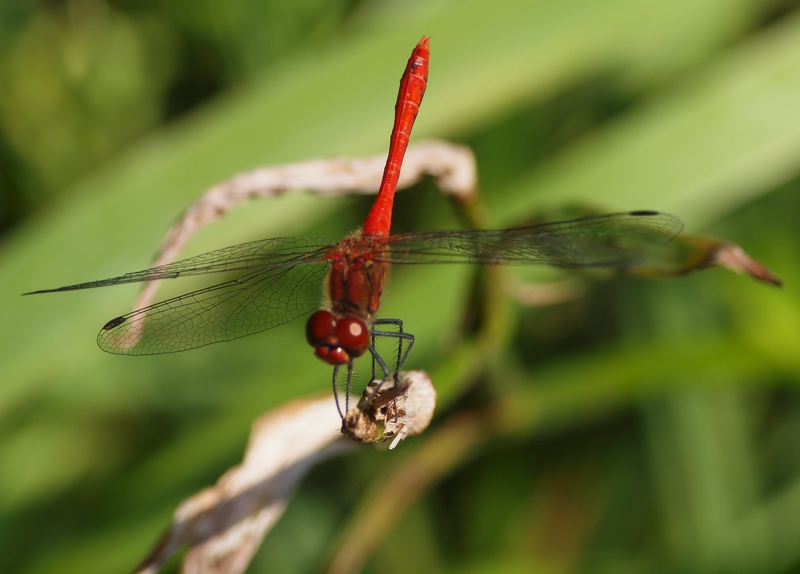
(355, 284)
(356, 279)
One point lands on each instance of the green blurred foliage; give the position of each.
(649, 426)
(80, 79)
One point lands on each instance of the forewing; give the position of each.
(263, 254)
(614, 240)
(253, 303)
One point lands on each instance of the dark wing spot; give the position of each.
(644, 212)
(114, 323)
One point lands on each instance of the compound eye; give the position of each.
(332, 355)
(353, 335)
(320, 326)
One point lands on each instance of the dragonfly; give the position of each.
(281, 279)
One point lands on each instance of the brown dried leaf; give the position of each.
(226, 523)
(688, 253)
(452, 166)
(734, 258)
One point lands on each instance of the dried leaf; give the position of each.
(226, 523)
(688, 253)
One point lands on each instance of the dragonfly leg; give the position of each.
(374, 354)
(336, 391)
(376, 358)
(399, 324)
(402, 351)
(349, 384)
(400, 335)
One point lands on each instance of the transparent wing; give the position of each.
(287, 274)
(614, 240)
(253, 303)
(264, 254)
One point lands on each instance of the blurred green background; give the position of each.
(647, 427)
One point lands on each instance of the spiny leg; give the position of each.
(402, 355)
(349, 385)
(336, 391)
(400, 336)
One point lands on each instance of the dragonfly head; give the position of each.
(337, 340)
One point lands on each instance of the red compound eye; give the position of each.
(332, 355)
(353, 335)
(320, 326)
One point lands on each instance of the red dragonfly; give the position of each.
(283, 277)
